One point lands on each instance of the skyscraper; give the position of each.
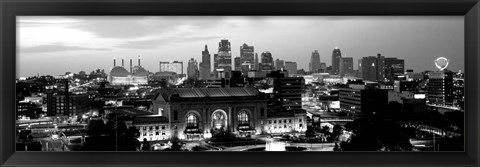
(279, 64)
(346, 66)
(215, 63)
(440, 87)
(256, 64)
(372, 68)
(393, 68)
(176, 66)
(223, 60)
(192, 69)
(336, 55)
(314, 64)
(205, 65)
(323, 67)
(291, 67)
(246, 54)
(267, 61)
(238, 63)
(359, 74)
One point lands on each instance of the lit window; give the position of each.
(192, 120)
(243, 117)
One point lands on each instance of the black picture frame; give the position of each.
(9, 9)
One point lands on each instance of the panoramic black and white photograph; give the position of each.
(240, 83)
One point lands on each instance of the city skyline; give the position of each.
(72, 42)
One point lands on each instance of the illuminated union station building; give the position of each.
(194, 113)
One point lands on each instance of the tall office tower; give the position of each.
(362, 98)
(440, 87)
(372, 68)
(267, 61)
(287, 91)
(314, 64)
(291, 67)
(224, 59)
(176, 66)
(323, 67)
(256, 63)
(215, 63)
(359, 74)
(336, 55)
(346, 66)
(205, 65)
(246, 54)
(393, 68)
(279, 64)
(192, 69)
(245, 68)
(238, 63)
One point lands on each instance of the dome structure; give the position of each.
(139, 71)
(119, 71)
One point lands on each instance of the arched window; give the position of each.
(243, 117)
(192, 120)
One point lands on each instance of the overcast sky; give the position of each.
(53, 45)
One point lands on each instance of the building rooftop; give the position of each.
(119, 71)
(149, 119)
(208, 92)
(286, 113)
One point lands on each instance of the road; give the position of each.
(309, 146)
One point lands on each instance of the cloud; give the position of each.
(156, 43)
(57, 48)
(139, 26)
